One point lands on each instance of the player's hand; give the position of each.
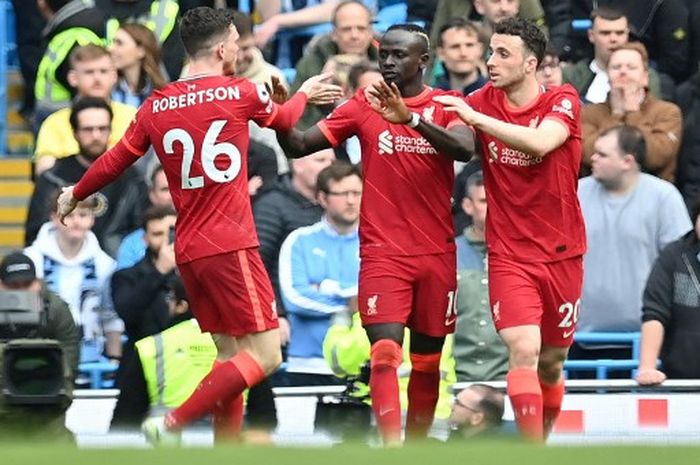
(278, 93)
(319, 91)
(265, 32)
(386, 100)
(66, 204)
(650, 377)
(459, 106)
(284, 331)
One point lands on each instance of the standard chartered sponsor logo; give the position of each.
(386, 146)
(513, 157)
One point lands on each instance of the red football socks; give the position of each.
(525, 396)
(384, 389)
(228, 417)
(223, 383)
(552, 397)
(423, 391)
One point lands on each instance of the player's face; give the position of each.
(94, 78)
(159, 194)
(608, 163)
(246, 53)
(353, 31)
(228, 51)
(78, 223)
(126, 53)
(549, 74)
(606, 35)
(474, 205)
(461, 51)
(92, 132)
(626, 68)
(342, 201)
(401, 57)
(497, 10)
(157, 231)
(508, 64)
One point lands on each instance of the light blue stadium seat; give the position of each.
(96, 372)
(603, 366)
(8, 59)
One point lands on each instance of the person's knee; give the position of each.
(551, 364)
(269, 359)
(523, 354)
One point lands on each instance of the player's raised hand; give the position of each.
(66, 204)
(278, 93)
(386, 100)
(319, 91)
(459, 106)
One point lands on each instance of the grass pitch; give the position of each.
(478, 453)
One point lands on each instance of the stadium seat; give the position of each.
(97, 373)
(603, 366)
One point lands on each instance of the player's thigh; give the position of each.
(514, 293)
(385, 290)
(240, 292)
(434, 300)
(561, 294)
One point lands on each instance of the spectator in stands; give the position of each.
(549, 74)
(461, 53)
(28, 20)
(671, 311)
(318, 271)
(289, 205)
(70, 261)
(360, 75)
(477, 411)
(479, 352)
(136, 57)
(688, 170)
(120, 204)
(629, 102)
(161, 16)
(92, 74)
(139, 291)
(185, 355)
(630, 217)
(69, 23)
(609, 30)
(662, 26)
(352, 34)
(45, 423)
(133, 247)
(250, 63)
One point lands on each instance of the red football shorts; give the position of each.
(544, 294)
(230, 293)
(416, 291)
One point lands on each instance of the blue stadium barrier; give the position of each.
(603, 367)
(97, 371)
(5, 14)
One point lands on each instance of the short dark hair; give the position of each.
(155, 213)
(532, 36)
(491, 403)
(334, 16)
(629, 140)
(475, 179)
(336, 171)
(607, 13)
(358, 69)
(461, 23)
(202, 27)
(85, 103)
(415, 29)
(243, 23)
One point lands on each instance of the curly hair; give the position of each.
(532, 36)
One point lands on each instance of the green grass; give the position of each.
(481, 453)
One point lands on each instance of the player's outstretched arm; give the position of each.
(457, 142)
(538, 142)
(314, 90)
(297, 144)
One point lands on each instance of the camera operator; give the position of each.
(41, 421)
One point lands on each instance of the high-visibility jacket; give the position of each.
(161, 18)
(174, 362)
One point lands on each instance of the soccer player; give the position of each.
(198, 127)
(408, 266)
(534, 230)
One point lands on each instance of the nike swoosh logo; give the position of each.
(450, 322)
(383, 411)
(567, 334)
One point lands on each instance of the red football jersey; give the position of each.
(198, 128)
(533, 209)
(407, 183)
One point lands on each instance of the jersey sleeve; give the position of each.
(262, 109)
(342, 123)
(565, 107)
(136, 139)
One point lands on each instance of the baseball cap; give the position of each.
(17, 267)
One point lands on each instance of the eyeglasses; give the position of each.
(345, 194)
(550, 65)
(89, 129)
(465, 406)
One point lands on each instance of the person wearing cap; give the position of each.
(45, 422)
